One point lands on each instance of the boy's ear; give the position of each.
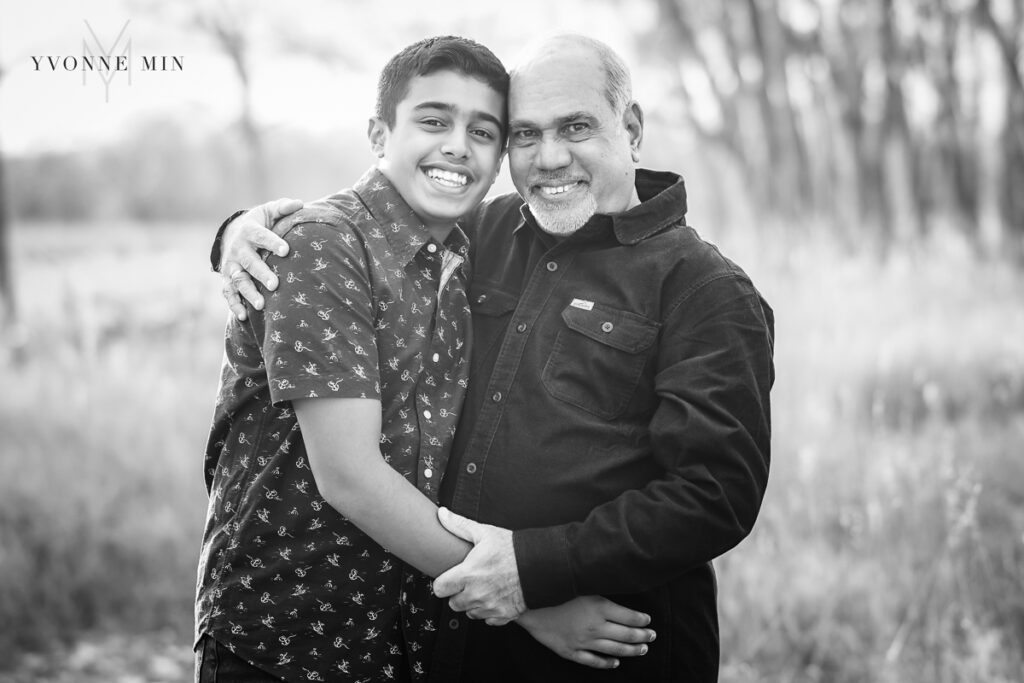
(377, 133)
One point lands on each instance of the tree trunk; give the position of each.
(8, 307)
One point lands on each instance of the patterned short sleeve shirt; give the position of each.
(368, 306)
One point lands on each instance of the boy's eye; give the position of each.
(483, 133)
(433, 123)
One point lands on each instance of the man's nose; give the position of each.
(553, 154)
(455, 145)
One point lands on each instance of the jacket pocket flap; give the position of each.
(493, 302)
(621, 330)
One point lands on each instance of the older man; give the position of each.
(617, 418)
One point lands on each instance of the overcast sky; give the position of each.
(46, 109)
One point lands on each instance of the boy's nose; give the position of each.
(455, 146)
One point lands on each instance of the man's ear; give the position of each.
(633, 119)
(377, 133)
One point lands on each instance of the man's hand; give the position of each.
(239, 259)
(590, 630)
(486, 584)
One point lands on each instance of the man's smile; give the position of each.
(560, 191)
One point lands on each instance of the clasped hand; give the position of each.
(485, 585)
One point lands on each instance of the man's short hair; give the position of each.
(440, 53)
(618, 84)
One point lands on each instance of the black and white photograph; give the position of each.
(465, 342)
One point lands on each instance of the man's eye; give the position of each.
(485, 134)
(523, 135)
(577, 128)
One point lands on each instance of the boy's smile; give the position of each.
(445, 149)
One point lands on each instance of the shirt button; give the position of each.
(426, 414)
(607, 327)
(453, 624)
(471, 468)
(497, 397)
(428, 473)
(437, 357)
(521, 327)
(432, 247)
(552, 266)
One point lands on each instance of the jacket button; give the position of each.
(521, 327)
(482, 298)
(552, 266)
(453, 624)
(471, 468)
(497, 397)
(607, 327)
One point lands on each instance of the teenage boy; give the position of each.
(339, 400)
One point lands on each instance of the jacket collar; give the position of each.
(662, 203)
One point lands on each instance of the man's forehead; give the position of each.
(548, 95)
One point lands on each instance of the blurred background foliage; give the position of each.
(862, 159)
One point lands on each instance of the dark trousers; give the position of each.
(217, 664)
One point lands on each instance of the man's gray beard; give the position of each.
(567, 220)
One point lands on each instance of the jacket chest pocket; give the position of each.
(598, 358)
(492, 309)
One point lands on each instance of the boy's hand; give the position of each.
(590, 630)
(485, 585)
(241, 262)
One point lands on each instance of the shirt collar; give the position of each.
(662, 203)
(405, 232)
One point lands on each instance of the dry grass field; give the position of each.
(890, 546)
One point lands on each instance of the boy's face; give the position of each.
(444, 150)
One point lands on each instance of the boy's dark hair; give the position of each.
(439, 53)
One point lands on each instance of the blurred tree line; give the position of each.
(893, 117)
(881, 121)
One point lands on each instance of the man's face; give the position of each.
(570, 154)
(444, 151)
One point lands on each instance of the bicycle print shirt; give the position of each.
(369, 306)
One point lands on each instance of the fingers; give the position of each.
(264, 238)
(457, 524)
(234, 301)
(593, 660)
(279, 208)
(613, 611)
(448, 584)
(238, 282)
(250, 262)
(624, 634)
(616, 649)
(499, 613)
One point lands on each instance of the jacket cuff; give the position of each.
(215, 251)
(545, 573)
